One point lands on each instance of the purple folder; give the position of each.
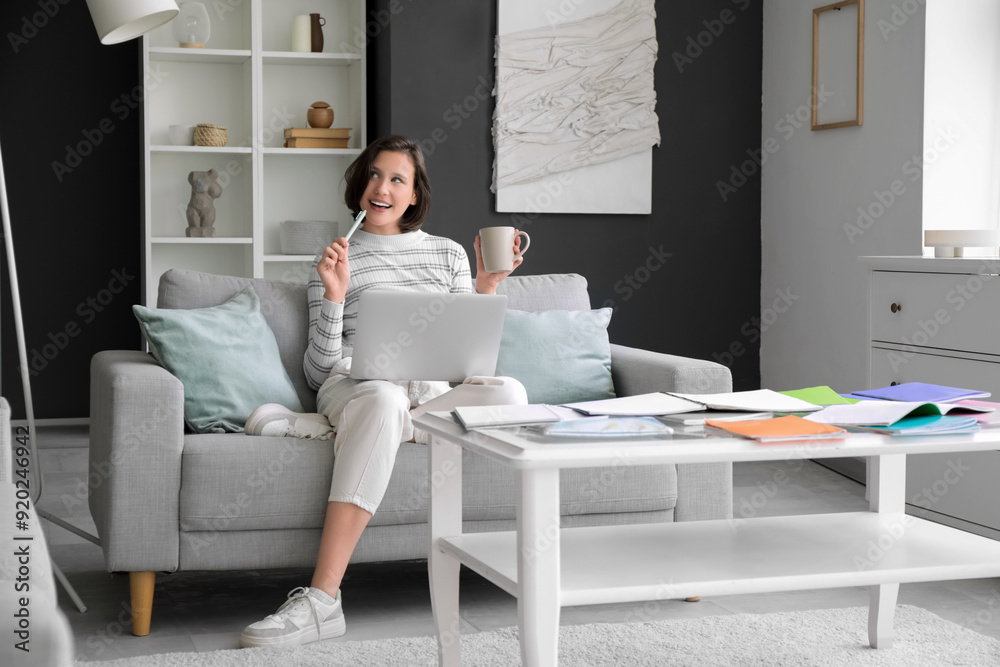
(921, 391)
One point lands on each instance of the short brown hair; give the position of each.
(357, 176)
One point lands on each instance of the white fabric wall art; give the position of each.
(575, 118)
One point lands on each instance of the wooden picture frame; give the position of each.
(838, 84)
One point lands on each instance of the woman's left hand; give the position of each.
(486, 283)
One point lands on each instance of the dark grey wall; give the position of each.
(70, 133)
(78, 232)
(702, 300)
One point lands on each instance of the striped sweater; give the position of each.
(415, 261)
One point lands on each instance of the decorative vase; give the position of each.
(320, 115)
(301, 34)
(191, 26)
(317, 32)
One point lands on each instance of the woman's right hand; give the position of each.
(335, 271)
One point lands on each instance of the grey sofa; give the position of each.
(165, 500)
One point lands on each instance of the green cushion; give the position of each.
(226, 356)
(560, 356)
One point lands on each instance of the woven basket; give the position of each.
(306, 237)
(210, 135)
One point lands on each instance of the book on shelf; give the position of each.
(307, 142)
(317, 133)
(779, 429)
(887, 413)
(921, 391)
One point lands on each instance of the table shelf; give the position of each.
(628, 563)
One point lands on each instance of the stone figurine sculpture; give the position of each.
(205, 189)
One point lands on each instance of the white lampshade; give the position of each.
(121, 20)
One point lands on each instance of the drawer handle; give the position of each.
(896, 307)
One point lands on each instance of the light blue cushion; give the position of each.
(226, 356)
(560, 356)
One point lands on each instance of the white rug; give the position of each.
(834, 637)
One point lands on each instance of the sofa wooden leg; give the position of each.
(694, 599)
(141, 588)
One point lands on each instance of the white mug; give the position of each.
(301, 33)
(497, 247)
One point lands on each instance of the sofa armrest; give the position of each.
(636, 371)
(136, 441)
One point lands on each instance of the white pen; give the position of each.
(357, 223)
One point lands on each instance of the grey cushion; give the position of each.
(284, 305)
(553, 291)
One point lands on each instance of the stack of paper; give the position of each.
(699, 418)
(494, 416)
(984, 418)
(927, 425)
(643, 405)
(607, 427)
(757, 400)
(779, 429)
(886, 413)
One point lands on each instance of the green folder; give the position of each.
(819, 396)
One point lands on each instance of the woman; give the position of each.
(369, 417)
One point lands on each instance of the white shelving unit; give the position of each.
(248, 80)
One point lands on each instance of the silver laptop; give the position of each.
(427, 336)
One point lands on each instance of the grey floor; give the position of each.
(203, 611)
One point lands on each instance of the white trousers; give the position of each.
(373, 417)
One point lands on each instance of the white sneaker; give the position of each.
(307, 616)
(278, 421)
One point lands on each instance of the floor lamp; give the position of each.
(116, 21)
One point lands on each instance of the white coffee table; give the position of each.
(546, 567)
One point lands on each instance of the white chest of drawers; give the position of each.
(938, 320)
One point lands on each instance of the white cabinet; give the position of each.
(248, 80)
(938, 320)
